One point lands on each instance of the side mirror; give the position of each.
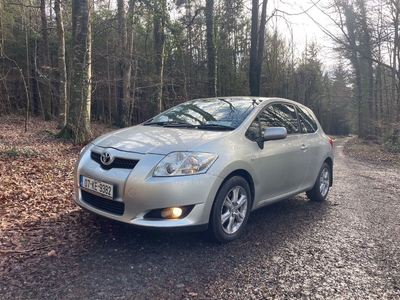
(272, 133)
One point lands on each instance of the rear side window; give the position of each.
(307, 122)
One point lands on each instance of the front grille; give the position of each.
(106, 205)
(120, 163)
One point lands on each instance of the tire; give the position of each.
(321, 187)
(231, 210)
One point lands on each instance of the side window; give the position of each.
(253, 132)
(275, 115)
(307, 122)
(280, 115)
(267, 118)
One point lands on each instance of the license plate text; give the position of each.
(100, 187)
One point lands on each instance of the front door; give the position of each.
(282, 165)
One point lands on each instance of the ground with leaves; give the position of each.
(347, 247)
(371, 151)
(38, 219)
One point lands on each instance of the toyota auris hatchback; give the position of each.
(206, 164)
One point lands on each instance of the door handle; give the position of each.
(304, 147)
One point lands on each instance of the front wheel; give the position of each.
(231, 210)
(321, 187)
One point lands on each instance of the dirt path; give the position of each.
(345, 248)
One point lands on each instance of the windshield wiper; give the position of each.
(171, 124)
(187, 125)
(215, 127)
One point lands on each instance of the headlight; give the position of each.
(184, 163)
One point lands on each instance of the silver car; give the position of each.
(206, 164)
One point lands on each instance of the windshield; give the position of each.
(214, 113)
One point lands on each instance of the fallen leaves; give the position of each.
(39, 220)
(371, 151)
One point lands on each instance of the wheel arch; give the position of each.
(246, 175)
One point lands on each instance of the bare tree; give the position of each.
(159, 48)
(44, 71)
(363, 32)
(211, 56)
(78, 121)
(125, 62)
(257, 46)
(62, 67)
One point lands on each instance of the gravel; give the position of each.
(345, 248)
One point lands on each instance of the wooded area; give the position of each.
(122, 61)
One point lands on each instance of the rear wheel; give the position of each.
(231, 210)
(321, 187)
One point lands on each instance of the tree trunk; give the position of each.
(78, 121)
(88, 67)
(44, 71)
(125, 32)
(366, 48)
(396, 74)
(159, 48)
(161, 84)
(122, 68)
(261, 39)
(257, 46)
(211, 65)
(355, 61)
(128, 84)
(62, 68)
(253, 83)
(26, 83)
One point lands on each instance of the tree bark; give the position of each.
(211, 56)
(355, 61)
(129, 85)
(45, 64)
(366, 48)
(396, 72)
(159, 49)
(124, 68)
(257, 46)
(62, 67)
(253, 83)
(261, 39)
(78, 121)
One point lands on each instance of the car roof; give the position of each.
(252, 98)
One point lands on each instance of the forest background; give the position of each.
(122, 61)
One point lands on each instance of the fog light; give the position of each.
(171, 213)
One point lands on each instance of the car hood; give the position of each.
(156, 139)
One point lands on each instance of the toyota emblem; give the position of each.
(106, 158)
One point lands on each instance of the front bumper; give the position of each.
(138, 193)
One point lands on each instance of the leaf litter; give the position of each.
(39, 221)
